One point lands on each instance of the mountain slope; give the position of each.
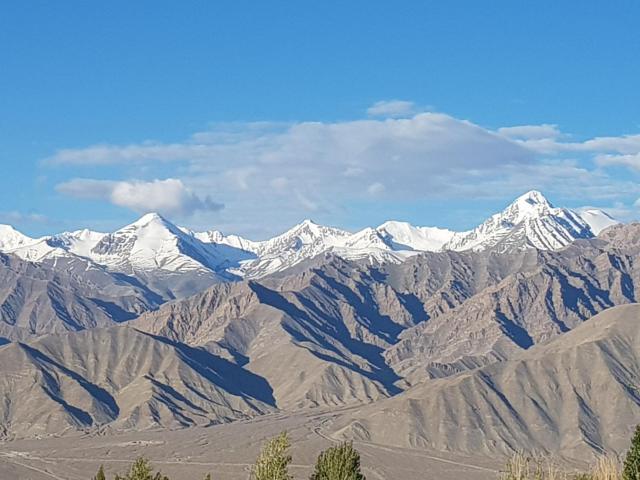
(433, 315)
(119, 378)
(597, 219)
(549, 294)
(10, 238)
(574, 395)
(38, 298)
(317, 336)
(303, 241)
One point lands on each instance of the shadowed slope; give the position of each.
(120, 378)
(575, 395)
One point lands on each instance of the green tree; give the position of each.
(100, 475)
(340, 462)
(631, 469)
(273, 462)
(141, 470)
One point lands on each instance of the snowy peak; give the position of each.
(78, 242)
(404, 236)
(597, 219)
(217, 237)
(305, 240)
(533, 198)
(531, 221)
(10, 238)
(152, 220)
(307, 236)
(154, 244)
(531, 204)
(27, 248)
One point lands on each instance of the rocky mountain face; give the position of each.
(38, 298)
(119, 378)
(433, 315)
(317, 336)
(574, 396)
(550, 294)
(163, 262)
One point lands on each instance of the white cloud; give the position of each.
(631, 160)
(391, 108)
(169, 196)
(111, 154)
(307, 203)
(274, 174)
(531, 132)
(547, 139)
(375, 188)
(326, 159)
(15, 216)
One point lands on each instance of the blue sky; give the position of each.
(250, 116)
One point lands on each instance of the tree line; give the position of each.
(342, 462)
(339, 462)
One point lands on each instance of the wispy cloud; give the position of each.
(531, 132)
(631, 160)
(169, 196)
(392, 108)
(17, 217)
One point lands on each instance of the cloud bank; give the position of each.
(169, 196)
(274, 173)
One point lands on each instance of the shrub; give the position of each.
(531, 467)
(606, 468)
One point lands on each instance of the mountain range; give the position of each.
(112, 277)
(492, 340)
(153, 246)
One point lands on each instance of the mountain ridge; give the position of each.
(531, 221)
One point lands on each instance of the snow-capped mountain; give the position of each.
(305, 240)
(153, 249)
(217, 237)
(154, 243)
(597, 219)
(404, 236)
(11, 239)
(529, 222)
(79, 242)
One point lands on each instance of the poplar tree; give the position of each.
(274, 459)
(631, 469)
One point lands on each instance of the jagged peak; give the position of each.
(10, 237)
(307, 223)
(532, 198)
(150, 218)
(308, 226)
(154, 219)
